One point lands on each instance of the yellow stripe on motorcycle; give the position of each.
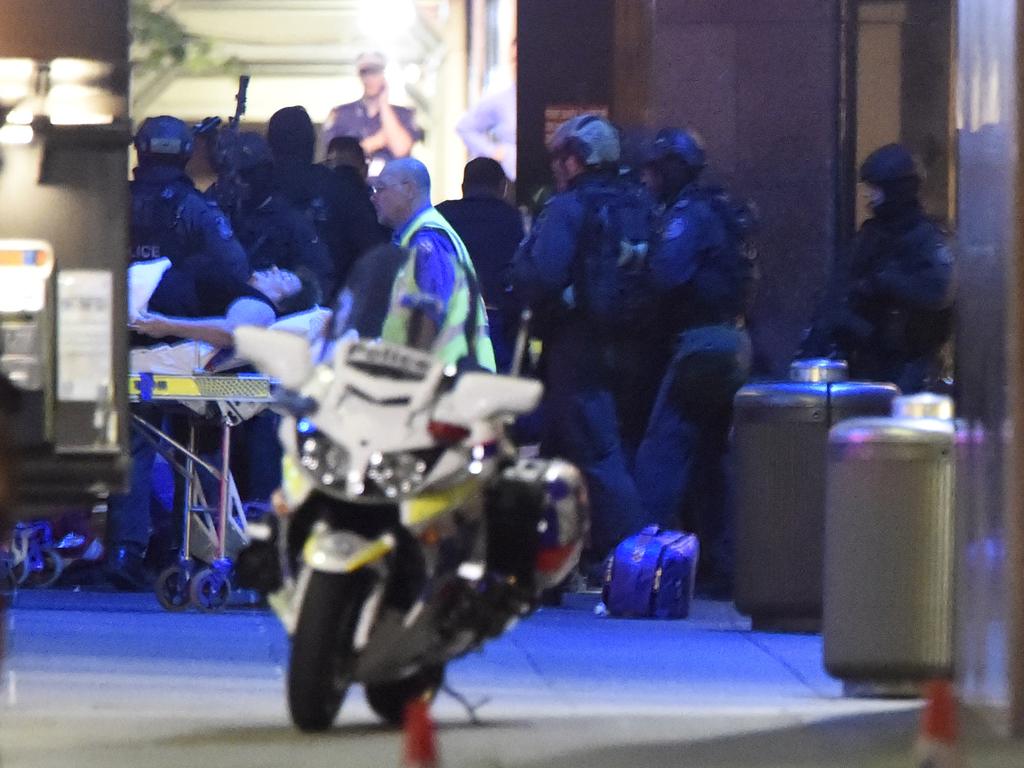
(295, 483)
(371, 553)
(426, 507)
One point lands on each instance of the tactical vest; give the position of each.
(157, 229)
(452, 342)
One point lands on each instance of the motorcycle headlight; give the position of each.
(323, 458)
(398, 474)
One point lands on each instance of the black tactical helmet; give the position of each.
(892, 162)
(164, 139)
(675, 142)
(251, 151)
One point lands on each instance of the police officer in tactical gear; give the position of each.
(272, 231)
(338, 204)
(170, 218)
(701, 283)
(888, 309)
(580, 416)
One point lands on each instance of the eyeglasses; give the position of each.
(377, 187)
(366, 71)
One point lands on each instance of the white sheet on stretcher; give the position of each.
(143, 278)
(187, 357)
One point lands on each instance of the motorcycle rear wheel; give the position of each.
(322, 657)
(389, 699)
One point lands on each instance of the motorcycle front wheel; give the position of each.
(322, 657)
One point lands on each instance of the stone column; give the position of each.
(760, 83)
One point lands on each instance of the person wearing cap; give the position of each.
(889, 305)
(386, 131)
(700, 289)
(580, 417)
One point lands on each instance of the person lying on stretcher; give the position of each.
(208, 308)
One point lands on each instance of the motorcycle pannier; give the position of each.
(652, 575)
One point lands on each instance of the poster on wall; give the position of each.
(556, 114)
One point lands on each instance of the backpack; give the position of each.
(610, 284)
(731, 273)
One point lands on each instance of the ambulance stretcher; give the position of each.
(211, 536)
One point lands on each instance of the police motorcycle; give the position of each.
(414, 533)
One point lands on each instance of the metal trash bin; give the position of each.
(889, 548)
(781, 444)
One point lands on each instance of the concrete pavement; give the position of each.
(111, 680)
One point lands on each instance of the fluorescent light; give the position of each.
(78, 105)
(77, 70)
(77, 116)
(16, 134)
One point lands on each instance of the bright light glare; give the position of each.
(20, 116)
(78, 105)
(16, 69)
(16, 134)
(386, 19)
(11, 93)
(79, 116)
(77, 70)
(412, 73)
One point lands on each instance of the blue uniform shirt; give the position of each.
(353, 119)
(435, 269)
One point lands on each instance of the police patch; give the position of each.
(224, 228)
(674, 228)
(944, 255)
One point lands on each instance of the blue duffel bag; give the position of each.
(652, 575)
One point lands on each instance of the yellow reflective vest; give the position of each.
(451, 344)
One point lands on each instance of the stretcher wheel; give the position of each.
(172, 588)
(43, 573)
(210, 590)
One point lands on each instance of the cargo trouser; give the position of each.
(682, 466)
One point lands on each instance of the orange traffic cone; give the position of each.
(420, 742)
(937, 743)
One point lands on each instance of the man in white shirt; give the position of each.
(488, 129)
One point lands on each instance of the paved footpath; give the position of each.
(108, 680)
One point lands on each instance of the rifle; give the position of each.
(240, 99)
(228, 189)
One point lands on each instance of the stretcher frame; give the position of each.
(180, 585)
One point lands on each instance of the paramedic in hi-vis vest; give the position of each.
(435, 301)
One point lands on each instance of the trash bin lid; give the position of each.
(861, 398)
(876, 430)
(782, 401)
(819, 370)
(925, 405)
